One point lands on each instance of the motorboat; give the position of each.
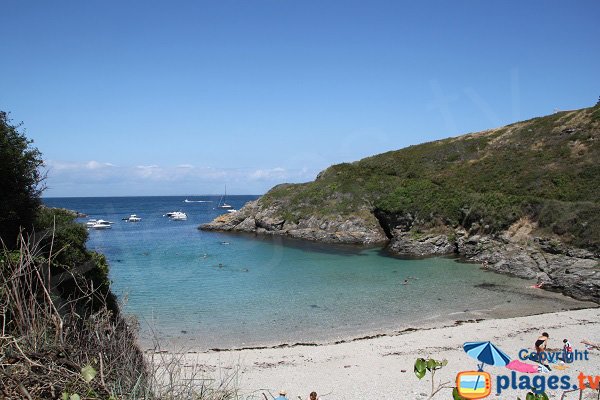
(91, 223)
(133, 218)
(102, 224)
(178, 216)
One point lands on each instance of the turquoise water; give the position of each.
(224, 290)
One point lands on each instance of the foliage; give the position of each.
(56, 228)
(48, 350)
(455, 395)
(536, 396)
(544, 168)
(423, 365)
(20, 179)
(62, 239)
(47, 339)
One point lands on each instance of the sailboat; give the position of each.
(222, 203)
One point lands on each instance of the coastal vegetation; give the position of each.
(62, 333)
(20, 179)
(545, 169)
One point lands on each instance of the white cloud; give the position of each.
(97, 165)
(66, 166)
(173, 178)
(266, 174)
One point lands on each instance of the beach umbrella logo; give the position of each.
(486, 353)
(478, 384)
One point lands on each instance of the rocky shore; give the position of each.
(516, 251)
(361, 228)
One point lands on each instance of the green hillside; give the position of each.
(546, 168)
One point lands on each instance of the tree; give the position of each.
(21, 181)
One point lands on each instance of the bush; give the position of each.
(20, 180)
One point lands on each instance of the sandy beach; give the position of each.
(382, 367)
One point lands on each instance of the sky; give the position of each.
(185, 97)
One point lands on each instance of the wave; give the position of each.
(197, 201)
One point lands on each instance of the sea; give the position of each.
(210, 290)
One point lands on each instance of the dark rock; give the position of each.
(362, 228)
(407, 243)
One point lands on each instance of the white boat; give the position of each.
(231, 211)
(91, 223)
(133, 218)
(102, 224)
(222, 203)
(178, 216)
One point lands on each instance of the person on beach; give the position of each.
(540, 347)
(282, 394)
(313, 396)
(567, 355)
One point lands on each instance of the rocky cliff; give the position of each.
(521, 199)
(361, 228)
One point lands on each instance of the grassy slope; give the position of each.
(546, 168)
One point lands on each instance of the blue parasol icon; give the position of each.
(486, 353)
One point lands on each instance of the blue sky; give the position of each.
(183, 97)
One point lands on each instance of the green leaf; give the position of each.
(420, 364)
(431, 364)
(65, 396)
(420, 368)
(88, 373)
(455, 395)
(74, 396)
(530, 396)
(542, 396)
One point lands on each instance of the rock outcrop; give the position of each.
(362, 229)
(575, 272)
(410, 244)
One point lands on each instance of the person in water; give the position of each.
(540, 347)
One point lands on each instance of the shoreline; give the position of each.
(179, 343)
(381, 365)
